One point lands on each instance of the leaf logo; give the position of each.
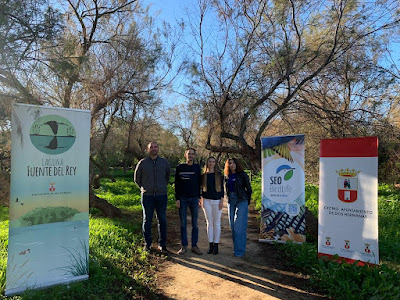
(288, 169)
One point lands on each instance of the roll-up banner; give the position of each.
(49, 199)
(348, 199)
(283, 201)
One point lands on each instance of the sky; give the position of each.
(171, 11)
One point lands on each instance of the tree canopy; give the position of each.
(253, 68)
(255, 62)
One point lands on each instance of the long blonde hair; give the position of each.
(216, 168)
(217, 173)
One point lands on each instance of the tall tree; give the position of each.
(109, 58)
(24, 24)
(263, 55)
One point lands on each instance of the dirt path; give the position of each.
(258, 275)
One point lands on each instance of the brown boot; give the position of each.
(196, 250)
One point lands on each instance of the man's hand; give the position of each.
(178, 203)
(201, 202)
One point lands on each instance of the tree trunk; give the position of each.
(108, 209)
(4, 188)
(97, 177)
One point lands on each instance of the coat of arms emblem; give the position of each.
(347, 244)
(347, 185)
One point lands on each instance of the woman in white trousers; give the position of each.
(212, 200)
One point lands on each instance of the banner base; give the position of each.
(18, 291)
(340, 259)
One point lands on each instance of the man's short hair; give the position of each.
(153, 142)
(190, 148)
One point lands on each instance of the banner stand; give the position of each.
(283, 190)
(348, 200)
(20, 291)
(48, 241)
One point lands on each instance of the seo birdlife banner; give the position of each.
(283, 201)
(49, 197)
(348, 199)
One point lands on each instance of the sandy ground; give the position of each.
(260, 274)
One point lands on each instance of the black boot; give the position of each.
(211, 249)
(215, 248)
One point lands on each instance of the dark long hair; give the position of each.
(239, 167)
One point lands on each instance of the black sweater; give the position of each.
(187, 181)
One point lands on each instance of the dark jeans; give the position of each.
(149, 204)
(193, 204)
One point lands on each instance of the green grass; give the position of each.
(346, 281)
(349, 281)
(118, 266)
(79, 260)
(119, 269)
(256, 187)
(3, 246)
(389, 225)
(125, 194)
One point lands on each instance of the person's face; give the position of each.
(211, 163)
(189, 155)
(232, 165)
(153, 149)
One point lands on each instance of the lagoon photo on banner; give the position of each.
(283, 200)
(348, 199)
(49, 198)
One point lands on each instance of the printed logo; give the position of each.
(347, 244)
(347, 185)
(287, 170)
(52, 186)
(52, 134)
(284, 185)
(328, 241)
(367, 250)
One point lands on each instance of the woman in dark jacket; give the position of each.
(238, 191)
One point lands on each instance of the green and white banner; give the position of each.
(49, 198)
(283, 198)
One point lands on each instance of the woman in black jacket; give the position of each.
(238, 191)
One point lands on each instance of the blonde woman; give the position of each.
(212, 201)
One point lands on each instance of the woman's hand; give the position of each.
(221, 203)
(178, 203)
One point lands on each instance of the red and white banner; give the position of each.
(348, 199)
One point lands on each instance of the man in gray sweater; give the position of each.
(152, 176)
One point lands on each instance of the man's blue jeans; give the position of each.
(238, 214)
(193, 204)
(149, 204)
